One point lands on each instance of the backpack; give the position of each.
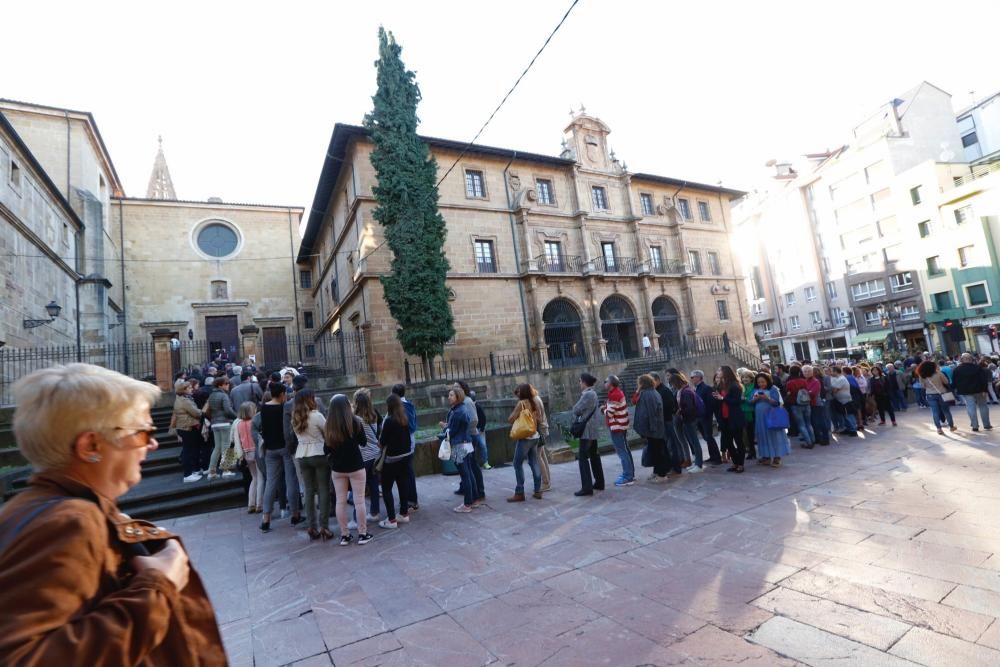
(802, 397)
(699, 405)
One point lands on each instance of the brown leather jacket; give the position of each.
(69, 596)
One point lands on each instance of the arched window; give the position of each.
(667, 323)
(618, 328)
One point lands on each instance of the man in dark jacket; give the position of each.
(971, 381)
(675, 452)
(705, 420)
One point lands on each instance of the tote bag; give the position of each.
(524, 426)
(777, 418)
(444, 451)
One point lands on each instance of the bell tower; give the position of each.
(160, 185)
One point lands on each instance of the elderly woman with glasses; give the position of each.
(83, 583)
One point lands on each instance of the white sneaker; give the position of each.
(387, 524)
(212, 476)
(193, 477)
(694, 468)
(352, 524)
(374, 518)
(229, 474)
(402, 519)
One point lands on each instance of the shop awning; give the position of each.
(872, 336)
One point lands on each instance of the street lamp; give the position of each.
(53, 309)
(889, 314)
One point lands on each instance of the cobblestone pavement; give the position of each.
(881, 550)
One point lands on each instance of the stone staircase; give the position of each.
(733, 353)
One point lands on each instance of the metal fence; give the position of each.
(336, 353)
(461, 369)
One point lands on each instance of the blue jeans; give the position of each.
(803, 416)
(469, 490)
(921, 397)
(620, 441)
(973, 401)
(479, 445)
(527, 449)
(690, 429)
(940, 411)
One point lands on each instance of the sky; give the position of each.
(246, 94)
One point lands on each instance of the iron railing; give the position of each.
(668, 267)
(622, 265)
(463, 369)
(556, 264)
(336, 353)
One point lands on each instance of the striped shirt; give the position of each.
(616, 412)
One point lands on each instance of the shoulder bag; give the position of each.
(777, 418)
(578, 428)
(524, 426)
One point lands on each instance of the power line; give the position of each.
(504, 100)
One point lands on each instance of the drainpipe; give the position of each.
(517, 260)
(76, 288)
(121, 256)
(295, 284)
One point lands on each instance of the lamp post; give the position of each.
(53, 309)
(889, 314)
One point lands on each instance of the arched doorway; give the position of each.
(618, 328)
(563, 334)
(666, 323)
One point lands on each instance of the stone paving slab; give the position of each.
(884, 550)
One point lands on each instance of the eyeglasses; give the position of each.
(149, 434)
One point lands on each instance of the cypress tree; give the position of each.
(407, 197)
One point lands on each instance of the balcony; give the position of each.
(556, 264)
(621, 265)
(667, 267)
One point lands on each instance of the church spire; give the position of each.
(160, 185)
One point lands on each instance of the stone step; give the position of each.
(167, 496)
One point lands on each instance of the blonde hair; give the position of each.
(247, 410)
(56, 404)
(363, 406)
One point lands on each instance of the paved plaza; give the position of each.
(881, 550)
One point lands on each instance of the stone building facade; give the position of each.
(560, 259)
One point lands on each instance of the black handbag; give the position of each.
(577, 428)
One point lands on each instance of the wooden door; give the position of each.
(223, 332)
(275, 347)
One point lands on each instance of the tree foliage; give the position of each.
(407, 208)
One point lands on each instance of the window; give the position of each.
(942, 300)
(334, 291)
(310, 350)
(307, 319)
(694, 259)
(915, 195)
(704, 212)
(723, 308)
(600, 196)
(713, 263)
(925, 228)
(831, 290)
(757, 307)
(647, 203)
(610, 261)
(755, 284)
(790, 298)
(475, 184)
(815, 318)
(901, 281)
(909, 312)
(841, 316)
(15, 175)
(963, 214)
(977, 295)
(218, 240)
(766, 329)
(656, 258)
(875, 173)
(969, 139)
(934, 266)
(872, 318)
(553, 256)
(801, 350)
(966, 255)
(305, 279)
(868, 289)
(685, 208)
(793, 323)
(485, 259)
(546, 195)
(810, 294)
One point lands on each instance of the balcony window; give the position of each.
(793, 323)
(831, 290)
(546, 195)
(600, 197)
(901, 281)
(977, 295)
(610, 260)
(966, 255)
(766, 329)
(554, 256)
(656, 258)
(934, 266)
(873, 318)
(868, 289)
(723, 308)
(924, 228)
(909, 312)
(815, 318)
(694, 259)
(757, 307)
(485, 257)
(915, 195)
(647, 203)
